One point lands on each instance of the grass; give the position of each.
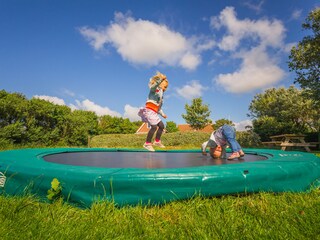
(257, 216)
(252, 216)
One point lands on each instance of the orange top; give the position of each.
(152, 106)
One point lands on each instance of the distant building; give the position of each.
(187, 128)
(143, 129)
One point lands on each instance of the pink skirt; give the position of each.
(149, 116)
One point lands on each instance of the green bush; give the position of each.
(176, 139)
(5, 144)
(248, 139)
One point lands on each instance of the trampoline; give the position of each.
(125, 159)
(131, 176)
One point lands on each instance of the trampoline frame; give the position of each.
(26, 171)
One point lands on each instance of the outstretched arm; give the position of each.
(162, 113)
(210, 143)
(204, 148)
(223, 152)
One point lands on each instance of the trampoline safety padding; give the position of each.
(131, 176)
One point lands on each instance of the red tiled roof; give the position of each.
(187, 128)
(143, 129)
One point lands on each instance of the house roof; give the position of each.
(182, 128)
(143, 129)
(187, 128)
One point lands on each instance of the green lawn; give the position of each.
(257, 216)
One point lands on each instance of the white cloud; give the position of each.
(257, 71)
(131, 113)
(215, 22)
(192, 90)
(91, 106)
(95, 38)
(251, 39)
(68, 92)
(256, 7)
(206, 45)
(148, 43)
(51, 99)
(263, 32)
(296, 14)
(190, 61)
(241, 126)
(287, 47)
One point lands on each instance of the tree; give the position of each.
(46, 122)
(221, 122)
(305, 57)
(114, 125)
(81, 123)
(13, 108)
(283, 110)
(197, 114)
(171, 127)
(37, 121)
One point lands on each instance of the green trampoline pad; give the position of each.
(131, 176)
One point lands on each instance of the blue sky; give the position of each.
(99, 55)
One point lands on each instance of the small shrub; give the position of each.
(55, 191)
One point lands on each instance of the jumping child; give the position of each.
(158, 84)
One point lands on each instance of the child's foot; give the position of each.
(234, 155)
(158, 144)
(149, 147)
(241, 153)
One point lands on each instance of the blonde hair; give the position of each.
(157, 77)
